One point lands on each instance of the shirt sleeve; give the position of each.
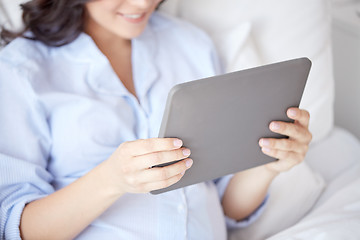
(221, 184)
(24, 148)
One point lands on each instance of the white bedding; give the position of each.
(337, 218)
(337, 213)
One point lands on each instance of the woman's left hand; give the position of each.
(291, 151)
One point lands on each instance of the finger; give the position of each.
(157, 158)
(292, 130)
(162, 184)
(145, 146)
(165, 173)
(284, 155)
(283, 144)
(300, 115)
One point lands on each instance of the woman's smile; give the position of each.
(134, 17)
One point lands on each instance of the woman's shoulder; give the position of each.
(21, 62)
(22, 51)
(34, 59)
(27, 63)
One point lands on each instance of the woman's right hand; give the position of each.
(130, 168)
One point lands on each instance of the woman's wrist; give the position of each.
(269, 170)
(253, 184)
(103, 173)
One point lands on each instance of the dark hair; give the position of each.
(53, 22)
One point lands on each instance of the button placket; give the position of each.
(142, 126)
(183, 209)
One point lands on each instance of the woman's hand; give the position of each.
(291, 151)
(68, 211)
(130, 168)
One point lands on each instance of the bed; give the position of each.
(319, 199)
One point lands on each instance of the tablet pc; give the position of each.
(221, 119)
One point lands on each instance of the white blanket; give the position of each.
(336, 218)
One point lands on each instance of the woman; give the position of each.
(80, 106)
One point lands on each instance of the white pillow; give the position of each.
(337, 218)
(10, 14)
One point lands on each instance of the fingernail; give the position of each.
(275, 126)
(266, 149)
(292, 113)
(178, 143)
(189, 163)
(186, 152)
(264, 142)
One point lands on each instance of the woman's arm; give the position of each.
(67, 212)
(247, 189)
